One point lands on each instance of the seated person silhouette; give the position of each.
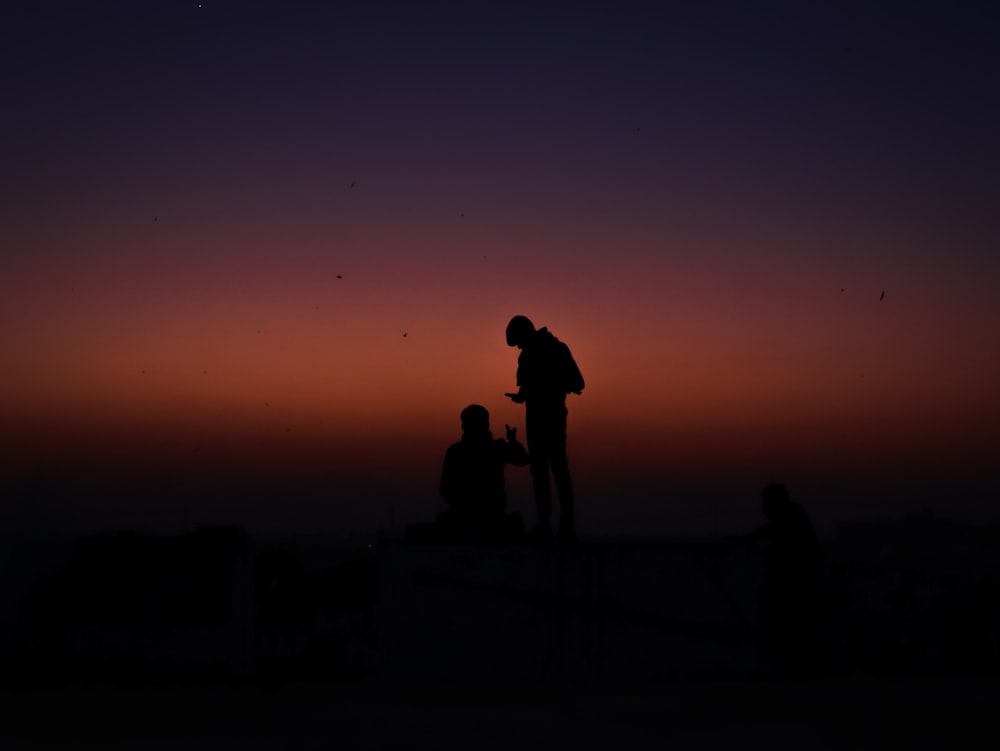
(472, 481)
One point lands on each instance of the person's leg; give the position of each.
(564, 487)
(539, 465)
(560, 473)
(543, 492)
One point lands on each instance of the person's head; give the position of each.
(475, 419)
(519, 330)
(774, 500)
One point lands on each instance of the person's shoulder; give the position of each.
(548, 340)
(796, 514)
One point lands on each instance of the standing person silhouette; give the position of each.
(546, 373)
(791, 598)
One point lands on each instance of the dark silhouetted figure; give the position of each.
(546, 373)
(792, 593)
(472, 481)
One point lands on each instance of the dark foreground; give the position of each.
(836, 713)
(211, 641)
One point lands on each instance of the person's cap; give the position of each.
(517, 329)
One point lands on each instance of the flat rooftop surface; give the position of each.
(829, 713)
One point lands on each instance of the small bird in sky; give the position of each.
(340, 276)
(404, 334)
(882, 296)
(353, 183)
(841, 289)
(156, 218)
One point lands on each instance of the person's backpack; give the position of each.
(570, 375)
(552, 367)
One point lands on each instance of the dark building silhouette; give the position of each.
(198, 606)
(310, 623)
(918, 594)
(134, 606)
(546, 373)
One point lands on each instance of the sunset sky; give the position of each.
(256, 257)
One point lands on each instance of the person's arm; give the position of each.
(517, 454)
(519, 397)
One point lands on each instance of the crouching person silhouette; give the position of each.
(472, 481)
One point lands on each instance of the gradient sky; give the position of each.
(256, 257)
